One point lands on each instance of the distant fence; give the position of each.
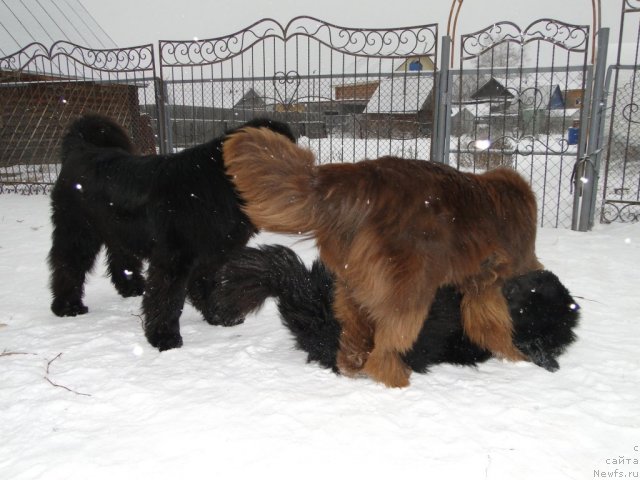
(520, 97)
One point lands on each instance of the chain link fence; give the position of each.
(620, 186)
(42, 90)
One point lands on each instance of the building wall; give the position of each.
(356, 91)
(34, 115)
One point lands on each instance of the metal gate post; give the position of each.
(442, 113)
(588, 168)
(161, 115)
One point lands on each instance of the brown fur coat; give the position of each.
(392, 231)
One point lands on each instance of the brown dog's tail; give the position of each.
(275, 178)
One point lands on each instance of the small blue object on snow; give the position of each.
(572, 135)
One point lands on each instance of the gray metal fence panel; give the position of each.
(620, 190)
(519, 98)
(517, 101)
(350, 93)
(43, 89)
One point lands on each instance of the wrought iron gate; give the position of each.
(620, 190)
(518, 99)
(350, 93)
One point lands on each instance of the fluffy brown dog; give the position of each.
(392, 231)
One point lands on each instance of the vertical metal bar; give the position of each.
(611, 91)
(442, 113)
(161, 115)
(585, 116)
(587, 174)
(446, 134)
(586, 111)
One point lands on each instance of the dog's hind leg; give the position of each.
(164, 298)
(125, 272)
(73, 252)
(356, 338)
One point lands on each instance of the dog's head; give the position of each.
(544, 316)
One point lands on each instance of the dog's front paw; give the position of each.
(224, 320)
(132, 287)
(68, 308)
(164, 341)
(387, 368)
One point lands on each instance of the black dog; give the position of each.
(180, 212)
(544, 313)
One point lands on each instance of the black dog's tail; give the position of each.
(304, 297)
(96, 130)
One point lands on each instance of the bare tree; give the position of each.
(506, 54)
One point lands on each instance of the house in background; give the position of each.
(530, 105)
(251, 100)
(354, 97)
(494, 93)
(402, 106)
(419, 63)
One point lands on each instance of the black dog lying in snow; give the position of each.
(544, 313)
(180, 212)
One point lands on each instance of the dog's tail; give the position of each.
(96, 130)
(304, 297)
(275, 177)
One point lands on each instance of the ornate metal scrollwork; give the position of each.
(631, 6)
(383, 43)
(116, 60)
(281, 81)
(528, 98)
(26, 188)
(620, 211)
(524, 145)
(376, 43)
(19, 60)
(574, 38)
(628, 112)
(110, 60)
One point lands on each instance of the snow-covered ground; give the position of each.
(88, 398)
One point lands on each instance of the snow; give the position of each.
(88, 397)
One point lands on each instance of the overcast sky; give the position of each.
(134, 22)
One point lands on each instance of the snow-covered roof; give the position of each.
(400, 94)
(476, 109)
(539, 88)
(567, 113)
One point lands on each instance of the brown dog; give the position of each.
(393, 231)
